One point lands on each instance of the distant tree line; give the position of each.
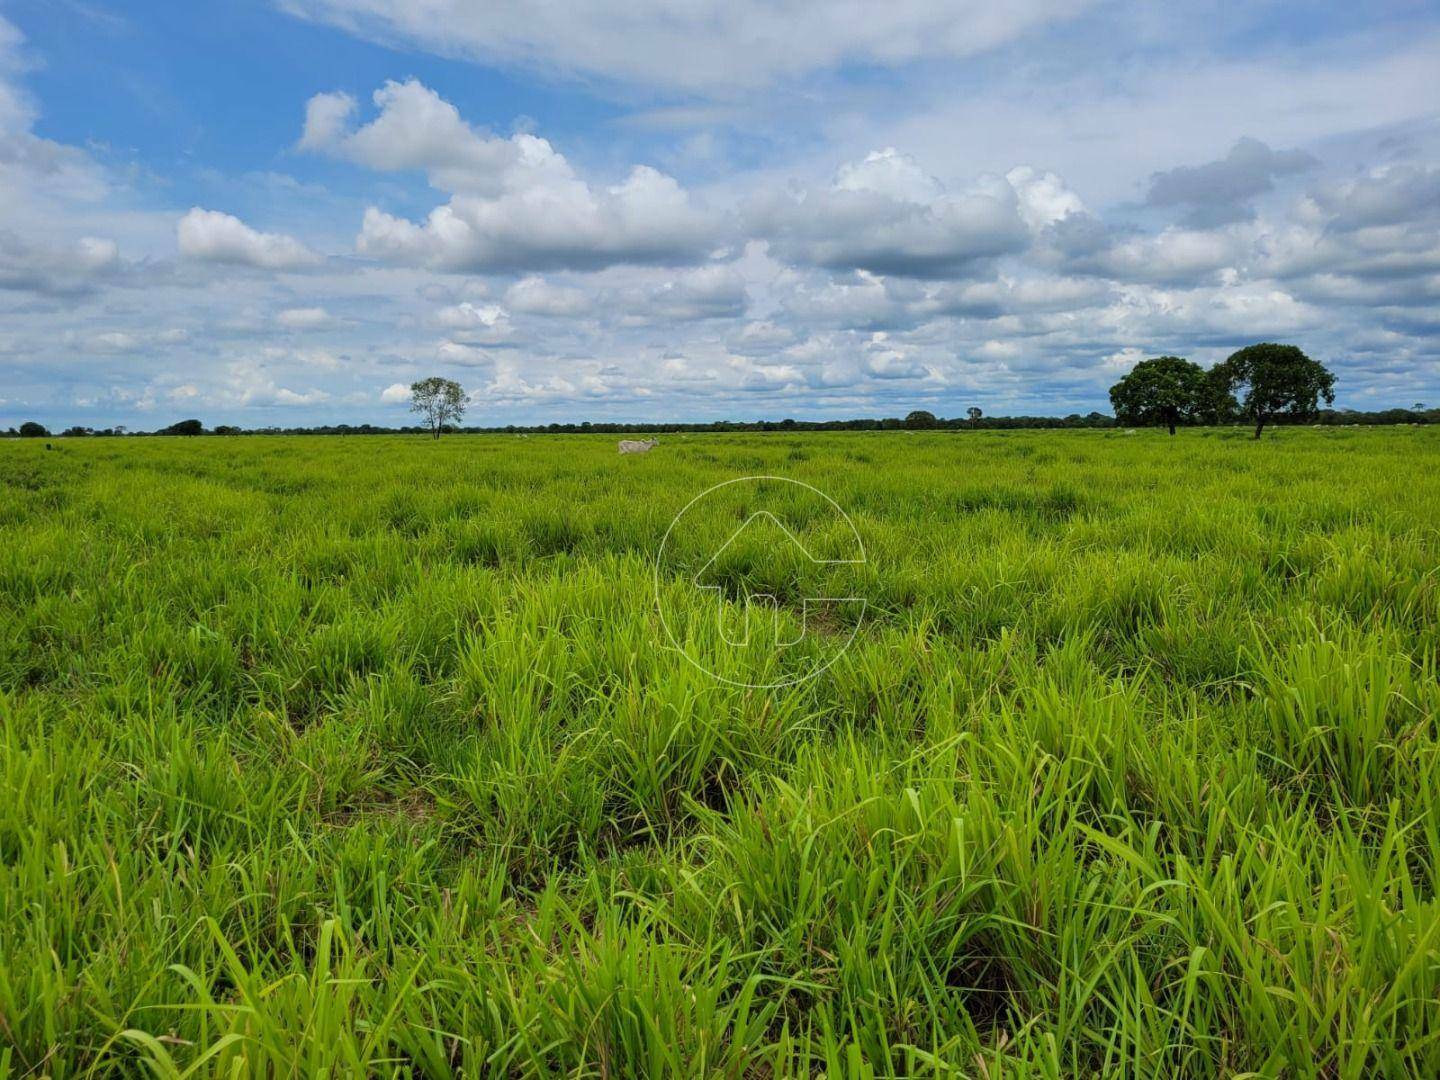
(1417, 414)
(1259, 385)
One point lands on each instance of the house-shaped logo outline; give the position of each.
(751, 599)
(657, 579)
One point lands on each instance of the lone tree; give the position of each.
(920, 418)
(31, 430)
(1277, 380)
(974, 413)
(439, 400)
(1166, 390)
(184, 427)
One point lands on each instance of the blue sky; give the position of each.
(283, 213)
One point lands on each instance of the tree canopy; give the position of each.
(920, 418)
(440, 401)
(1166, 390)
(1276, 381)
(31, 430)
(1216, 404)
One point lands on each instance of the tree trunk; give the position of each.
(1259, 426)
(1172, 427)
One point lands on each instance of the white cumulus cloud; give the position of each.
(212, 236)
(516, 205)
(884, 215)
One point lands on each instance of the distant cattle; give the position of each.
(637, 446)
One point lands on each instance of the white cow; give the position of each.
(637, 446)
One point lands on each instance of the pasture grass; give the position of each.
(330, 756)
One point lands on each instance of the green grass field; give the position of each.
(333, 756)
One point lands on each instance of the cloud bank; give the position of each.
(788, 210)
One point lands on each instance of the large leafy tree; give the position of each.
(1275, 381)
(1166, 390)
(920, 418)
(439, 400)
